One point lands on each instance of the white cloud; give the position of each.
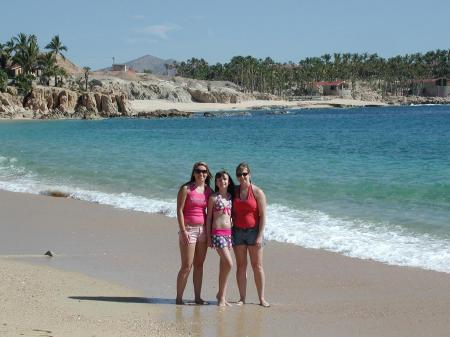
(160, 31)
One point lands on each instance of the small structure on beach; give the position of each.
(432, 87)
(334, 88)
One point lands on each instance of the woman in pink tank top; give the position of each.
(192, 201)
(249, 220)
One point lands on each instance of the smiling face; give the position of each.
(243, 174)
(200, 174)
(222, 181)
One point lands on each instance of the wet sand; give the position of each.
(113, 274)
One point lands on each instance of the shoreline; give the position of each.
(151, 105)
(160, 108)
(313, 290)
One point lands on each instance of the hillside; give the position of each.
(69, 66)
(153, 63)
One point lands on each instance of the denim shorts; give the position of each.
(245, 236)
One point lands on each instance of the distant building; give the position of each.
(335, 88)
(15, 70)
(120, 67)
(433, 87)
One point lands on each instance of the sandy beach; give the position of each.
(113, 274)
(159, 104)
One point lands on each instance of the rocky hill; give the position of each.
(148, 62)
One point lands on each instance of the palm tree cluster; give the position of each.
(396, 75)
(23, 50)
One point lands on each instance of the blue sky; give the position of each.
(286, 30)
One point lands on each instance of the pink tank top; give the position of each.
(194, 210)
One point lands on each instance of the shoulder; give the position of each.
(258, 192)
(184, 188)
(213, 196)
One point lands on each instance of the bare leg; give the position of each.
(240, 253)
(187, 257)
(256, 258)
(226, 263)
(199, 259)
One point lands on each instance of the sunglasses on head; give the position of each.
(243, 174)
(198, 171)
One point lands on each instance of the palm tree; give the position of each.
(55, 46)
(86, 76)
(48, 66)
(26, 52)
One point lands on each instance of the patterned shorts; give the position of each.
(221, 241)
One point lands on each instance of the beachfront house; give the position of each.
(15, 70)
(334, 88)
(433, 87)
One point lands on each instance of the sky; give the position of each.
(95, 31)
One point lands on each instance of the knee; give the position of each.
(241, 267)
(257, 267)
(185, 268)
(228, 264)
(198, 265)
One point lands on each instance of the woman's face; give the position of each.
(223, 181)
(200, 173)
(243, 176)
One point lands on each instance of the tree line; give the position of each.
(394, 75)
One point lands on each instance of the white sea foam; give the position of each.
(306, 228)
(388, 244)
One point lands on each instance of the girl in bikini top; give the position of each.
(223, 204)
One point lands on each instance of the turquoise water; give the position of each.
(367, 182)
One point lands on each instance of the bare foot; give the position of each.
(201, 302)
(222, 302)
(264, 303)
(179, 301)
(240, 302)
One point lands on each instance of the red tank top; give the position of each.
(245, 212)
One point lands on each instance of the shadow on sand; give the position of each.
(151, 300)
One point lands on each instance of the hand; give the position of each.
(259, 241)
(184, 237)
(209, 243)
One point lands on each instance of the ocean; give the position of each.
(371, 183)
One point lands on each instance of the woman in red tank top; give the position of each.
(249, 220)
(191, 215)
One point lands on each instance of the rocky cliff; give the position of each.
(54, 103)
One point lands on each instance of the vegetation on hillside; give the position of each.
(23, 50)
(395, 75)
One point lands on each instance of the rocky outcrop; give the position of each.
(408, 100)
(216, 96)
(164, 114)
(175, 90)
(11, 106)
(54, 103)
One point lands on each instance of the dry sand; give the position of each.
(160, 104)
(114, 275)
